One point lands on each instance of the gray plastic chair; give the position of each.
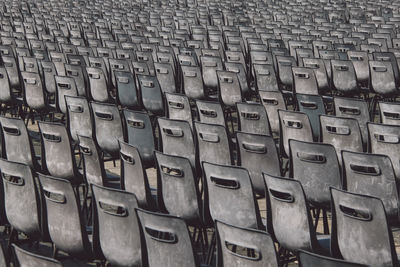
(25, 258)
(308, 259)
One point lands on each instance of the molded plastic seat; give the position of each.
(373, 174)
(253, 118)
(118, 226)
(65, 86)
(308, 259)
(79, 117)
(127, 92)
(178, 108)
(192, 81)
(360, 231)
(230, 91)
(304, 81)
(320, 71)
(98, 85)
(286, 199)
(151, 94)
(229, 196)
(28, 259)
(313, 106)
(179, 194)
(273, 101)
(258, 154)
(167, 240)
(265, 79)
(210, 112)
(34, 93)
(316, 166)
(390, 113)
(344, 76)
(235, 242)
(382, 78)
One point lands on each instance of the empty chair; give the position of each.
(344, 76)
(139, 133)
(66, 226)
(79, 74)
(342, 134)
(253, 118)
(58, 158)
(167, 240)
(373, 175)
(17, 142)
(316, 166)
(79, 117)
(382, 78)
(179, 194)
(244, 247)
(34, 93)
(313, 106)
(65, 86)
(127, 92)
(354, 108)
(209, 66)
(286, 199)
(230, 91)
(320, 71)
(98, 85)
(192, 81)
(385, 139)
(285, 64)
(273, 101)
(390, 113)
(25, 258)
(22, 201)
(178, 107)
(118, 226)
(265, 79)
(213, 143)
(93, 164)
(229, 196)
(210, 112)
(133, 175)
(360, 231)
(177, 139)
(165, 77)
(308, 259)
(150, 92)
(304, 81)
(361, 66)
(258, 154)
(107, 127)
(294, 125)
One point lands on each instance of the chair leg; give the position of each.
(317, 219)
(325, 220)
(210, 254)
(55, 251)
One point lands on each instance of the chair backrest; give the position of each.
(342, 133)
(119, 230)
(229, 195)
(28, 259)
(273, 101)
(309, 259)
(108, 127)
(230, 91)
(192, 81)
(5, 87)
(385, 139)
(139, 133)
(294, 125)
(266, 79)
(213, 144)
(165, 77)
(209, 66)
(65, 86)
(286, 199)
(177, 139)
(320, 71)
(313, 106)
(239, 246)
(178, 108)
(390, 113)
(22, 201)
(34, 93)
(127, 92)
(151, 94)
(360, 231)
(382, 78)
(304, 81)
(79, 117)
(210, 112)
(78, 73)
(258, 154)
(253, 118)
(98, 84)
(316, 166)
(17, 143)
(57, 155)
(167, 240)
(133, 175)
(361, 66)
(354, 108)
(240, 70)
(285, 64)
(344, 76)
(373, 175)
(65, 221)
(179, 194)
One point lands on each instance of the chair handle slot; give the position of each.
(225, 183)
(124, 80)
(171, 171)
(247, 253)
(357, 214)
(379, 69)
(293, 124)
(147, 83)
(270, 101)
(31, 81)
(73, 73)
(392, 115)
(302, 75)
(51, 137)
(308, 104)
(162, 70)
(209, 137)
(226, 79)
(191, 74)
(136, 124)
(64, 86)
(250, 115)
(85, 150)
(161, 236)
(385, 138)
(176, 104)
(341, 67)
(254, 148)
(263, 72)
(173, 132)
(208, 113)
(285, 63)
(365, 169)
(311, 157)
(104, 116)
(350, 110)
(112, 209)
(127, 158)
(11, 130)
(12, 179)
(339, 130)
(281, 196)
(56, 197)
(75, 108)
